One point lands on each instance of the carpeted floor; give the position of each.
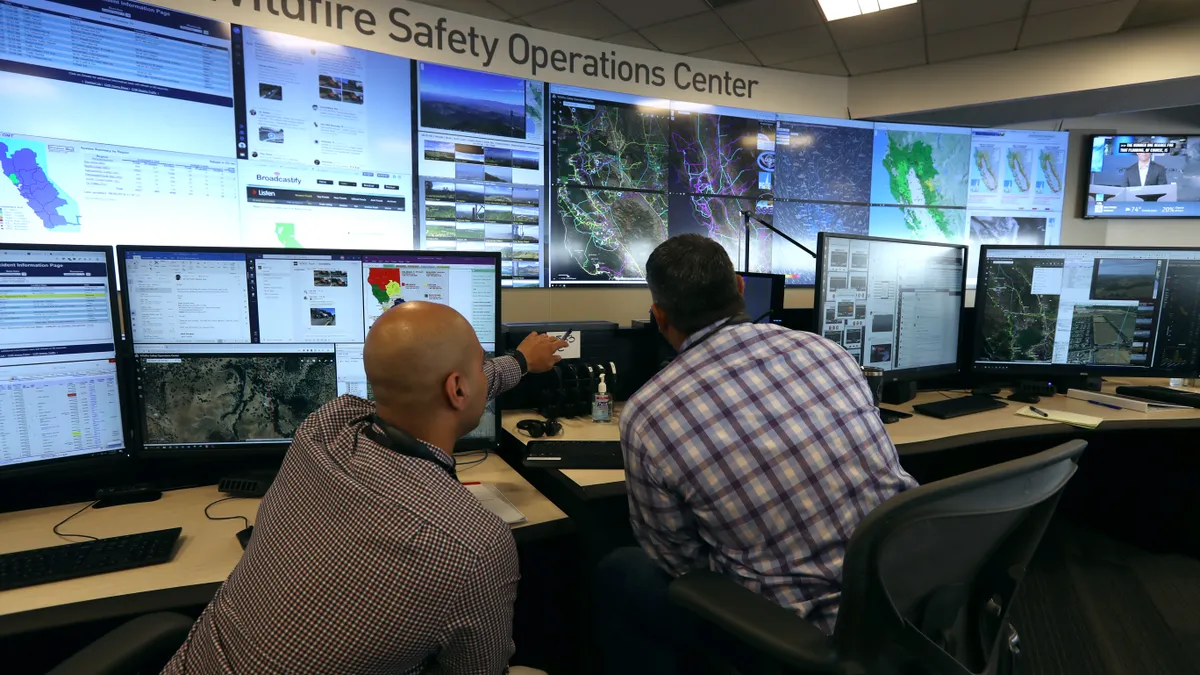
(1091, 605)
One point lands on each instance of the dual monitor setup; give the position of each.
(222, 349)
(1046, 313)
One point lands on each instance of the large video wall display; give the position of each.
(620, 164)
(165, 128)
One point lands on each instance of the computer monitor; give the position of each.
(60, 386)
(893, 304)
(1072, 312)
(763, 295)
(234, 348)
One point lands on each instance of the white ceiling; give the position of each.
(793, 34)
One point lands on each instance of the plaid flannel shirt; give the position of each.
(755, 453)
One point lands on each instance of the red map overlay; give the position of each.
(379, 278)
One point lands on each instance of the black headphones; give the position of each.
(402, 442)
(539, 428)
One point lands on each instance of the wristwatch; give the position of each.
(516, 354)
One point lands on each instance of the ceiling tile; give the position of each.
(801, 43)
(942, 16)
(877, 28)
(830, 64)
(885, 57)
(754, 18)
(732, 53)
(641, 13)
(960, 44)
(630, 39)
(1073, 24)
(1047, 6)
(689, 34)
(481, 8)
(584, 18)
(523, 7)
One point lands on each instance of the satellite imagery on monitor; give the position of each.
(720, 219)
(1102, 334)
(1017, 325)
(225, 399)
(610, 145)
(722, 155)
(605, 235)
(823, 163)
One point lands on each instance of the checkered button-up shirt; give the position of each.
(755, 453)
(364, 560)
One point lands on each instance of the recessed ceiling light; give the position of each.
(842, 9)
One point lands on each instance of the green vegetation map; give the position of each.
(927, 169)
(1017, 325)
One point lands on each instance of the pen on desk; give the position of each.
(472, 482)
(1106, 405)
(1040, 412)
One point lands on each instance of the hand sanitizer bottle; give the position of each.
(602, 404)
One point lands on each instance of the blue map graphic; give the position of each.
(24, 165)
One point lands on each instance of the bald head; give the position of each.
(412, 350)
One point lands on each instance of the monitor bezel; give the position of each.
(1087, 172)
(104, 458)
(778, 287)
(280, 447)
(896, 374)
(1055, 369)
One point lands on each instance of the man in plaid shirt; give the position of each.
(755, 453)
(368, 555)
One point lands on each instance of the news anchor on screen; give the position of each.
(1145, 172)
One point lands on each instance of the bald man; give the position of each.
(368, 555)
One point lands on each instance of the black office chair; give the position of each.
(927, 584)
(141, 645)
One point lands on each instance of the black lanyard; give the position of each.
(734, 320)
(402, 442)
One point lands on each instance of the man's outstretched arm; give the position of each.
(535, 354)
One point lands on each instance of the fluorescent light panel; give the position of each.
(842, 9)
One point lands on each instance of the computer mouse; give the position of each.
(243, 537)
(1024, 398)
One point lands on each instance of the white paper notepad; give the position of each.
(495, 501)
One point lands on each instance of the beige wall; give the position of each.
(621, 305)
(1130, 57)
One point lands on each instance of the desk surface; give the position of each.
(917, 434)
(206, 554)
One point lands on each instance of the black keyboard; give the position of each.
(957, 407)
(574, 455)
(1162, 395)
(85, 558)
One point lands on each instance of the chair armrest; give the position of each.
(761, 624)
(144, 643)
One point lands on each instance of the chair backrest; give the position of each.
(930, 574)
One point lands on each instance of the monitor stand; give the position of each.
(896, 393)
(1084, 382)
